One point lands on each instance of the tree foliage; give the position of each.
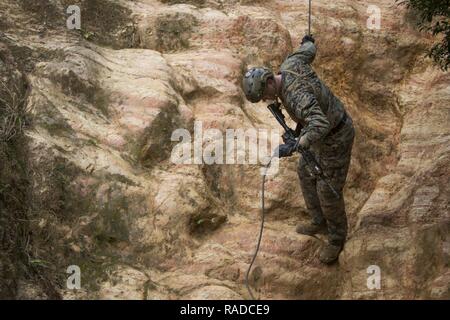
(434, 17)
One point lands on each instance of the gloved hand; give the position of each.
(287, 138)
(308, 38)
(285, 150)
(304, 143)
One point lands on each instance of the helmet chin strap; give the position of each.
(277, 96)
(277, 101)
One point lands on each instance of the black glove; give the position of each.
(308, 38)
(287, 138)
(286, 150)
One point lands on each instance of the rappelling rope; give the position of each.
(309, 19)
(260, 230)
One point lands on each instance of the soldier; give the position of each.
(326, 129)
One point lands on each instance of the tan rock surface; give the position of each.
(107, 197)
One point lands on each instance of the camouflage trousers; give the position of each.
(334, 154)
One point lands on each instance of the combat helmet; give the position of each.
(254, 83)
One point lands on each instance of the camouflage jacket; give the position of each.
(306, 98)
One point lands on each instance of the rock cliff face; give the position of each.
(103, 194)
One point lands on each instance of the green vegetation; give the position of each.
(434, 17)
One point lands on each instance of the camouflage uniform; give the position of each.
(330, 132)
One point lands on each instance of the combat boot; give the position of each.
(329, 253)
(310, 229)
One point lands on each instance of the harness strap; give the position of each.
(292, 72)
